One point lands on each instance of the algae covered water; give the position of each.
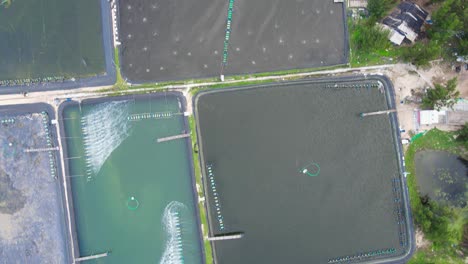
(132, 196)
(443, 177)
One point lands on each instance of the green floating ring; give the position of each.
(313, 169)
(132, 203)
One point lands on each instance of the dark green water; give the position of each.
(156, 174)
(259, 141)
(42, 38)
(442, 176)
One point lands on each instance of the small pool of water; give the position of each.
(442, 176)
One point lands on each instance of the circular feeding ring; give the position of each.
(132, 203)
(313, 169)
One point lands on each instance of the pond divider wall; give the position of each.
(390, 100)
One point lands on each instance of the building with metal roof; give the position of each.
(406, 21)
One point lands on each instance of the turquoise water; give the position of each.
(124, 161)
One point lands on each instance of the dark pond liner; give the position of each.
(181, 39)
(397, 188)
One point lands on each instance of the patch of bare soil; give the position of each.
(421, 241)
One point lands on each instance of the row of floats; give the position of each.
(399, 212)
(27, 81)
(7, 121)
(355, 86)
(217, 204)
(360, 256)
(45, 123)
(137, 117)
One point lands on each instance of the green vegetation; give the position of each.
(447, 36)
(379, 8)
(434, 221)
(369, 44)
(367, 38)
(443, 226)
(198, 180)
(462, 134)
(120, 83)
(449, 28)
(420, 54)
(441, 96)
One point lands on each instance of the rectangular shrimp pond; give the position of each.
(300, 176)
(164, 40)
(47, 41)
(132, 195)
(32, 219)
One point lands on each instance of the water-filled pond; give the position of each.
(442, 176)
(47, 38)
(132, 195)
(296, 169)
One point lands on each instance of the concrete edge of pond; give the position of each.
(188, 143)
(109, 76)
(390, 99)
(38, 108)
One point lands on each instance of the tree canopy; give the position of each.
(421, 54)
(462, 134)
(441, 96)
(450, 24)
(434, 220)
(378, 8)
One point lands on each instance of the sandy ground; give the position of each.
(421, 241)
(406, 77)
(8, 229)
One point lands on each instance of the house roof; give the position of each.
(407, 31)
(394, 36)
(429, 117)
(407, 20)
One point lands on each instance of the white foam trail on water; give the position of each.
(104, 128)
(171, 221)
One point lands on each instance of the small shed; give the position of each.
(429, 117)
(394, 36)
